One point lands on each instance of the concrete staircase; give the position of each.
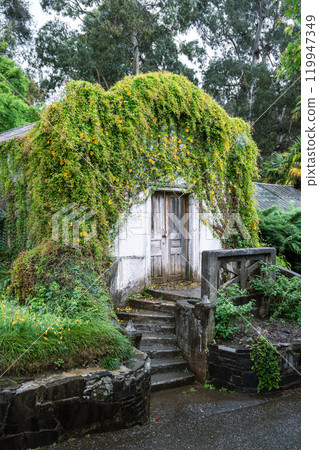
(155, 319)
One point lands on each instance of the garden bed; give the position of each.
(276, 331)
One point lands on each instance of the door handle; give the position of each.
(165, 234)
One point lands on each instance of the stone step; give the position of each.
(164, 351)
(155, 339)
(152, 305)
(170, 296)
(161, 381)
(155, 328)
(145, 316)
(160, 365)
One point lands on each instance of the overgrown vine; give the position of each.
(110, 149)
(265, 360)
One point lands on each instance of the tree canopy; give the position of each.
(15, 23)
(247, 40)
(14, 109)
(114, 38)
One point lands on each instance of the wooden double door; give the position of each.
(169, 236)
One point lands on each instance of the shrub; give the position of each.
(265, 364)
(285, 293)
(282, 229)
(227, 314)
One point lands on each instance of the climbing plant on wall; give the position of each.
(107, 150)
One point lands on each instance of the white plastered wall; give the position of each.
(132, 250)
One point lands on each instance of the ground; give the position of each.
(193, 417)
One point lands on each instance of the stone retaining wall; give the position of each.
(41, 411)
(231, 368)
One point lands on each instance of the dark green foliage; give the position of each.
(282, 229)
(228, 314)
(246, 40)
(116, 38)
(265, 364)
(285, 293)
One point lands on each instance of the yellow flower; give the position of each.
(65, 174)
(109, 202)
(187, 130)
(84, 233)
(70, 224)
(61, 338)
(13, 323)
(53, 152)
(61, 162)
(46, 338)
(179, 141)
(66, 97)
(79, 240)
(106, 133)
(91, 153)
(120, 121)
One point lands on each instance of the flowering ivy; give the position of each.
(102, 149)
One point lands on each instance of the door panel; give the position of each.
(169, 237)
(177, 237)
(158, 258)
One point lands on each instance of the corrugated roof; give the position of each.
(268, 195)
(16, 132)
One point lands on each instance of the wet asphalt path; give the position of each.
(194, 418)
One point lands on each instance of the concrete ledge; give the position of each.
(231, 367)
(56, 407)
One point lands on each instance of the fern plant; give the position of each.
(282, 229)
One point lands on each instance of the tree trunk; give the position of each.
(255, 55)
(136, 55)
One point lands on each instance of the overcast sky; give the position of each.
(39, 17)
